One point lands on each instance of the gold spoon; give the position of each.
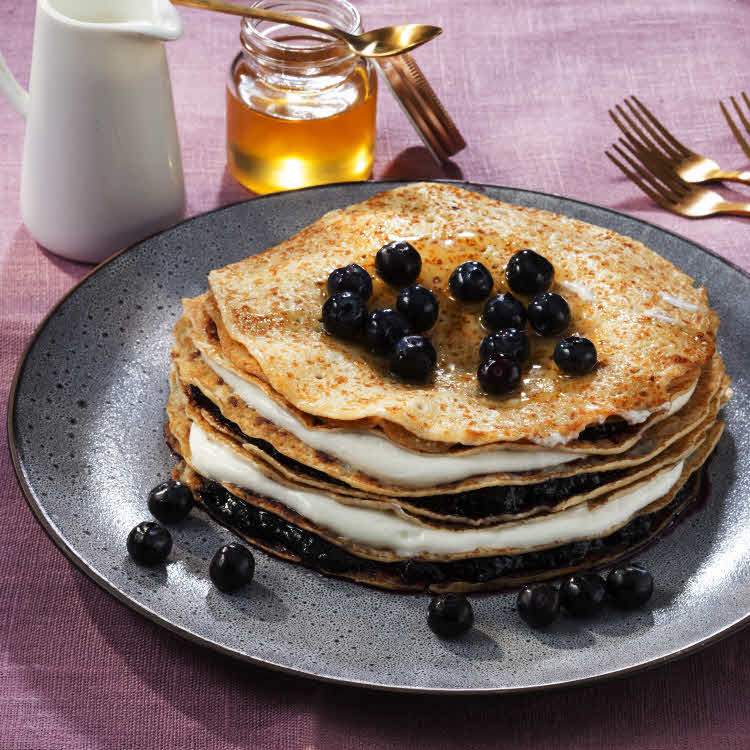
(389, 40)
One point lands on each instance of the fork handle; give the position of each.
(738, 209)
(720, 174)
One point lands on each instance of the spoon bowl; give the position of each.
(391, 40)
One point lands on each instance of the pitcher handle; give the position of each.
(14, 92)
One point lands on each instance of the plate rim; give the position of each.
(191, 637)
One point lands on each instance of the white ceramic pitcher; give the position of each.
(101, 163)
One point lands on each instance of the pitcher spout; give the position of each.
(166, 21)
(157, 19)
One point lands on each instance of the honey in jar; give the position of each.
(300, 106)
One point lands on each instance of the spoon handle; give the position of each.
(266, 15)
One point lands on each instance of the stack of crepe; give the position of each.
(306, 446)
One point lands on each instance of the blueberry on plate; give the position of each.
(170, 501)
(470, 282)
(528, 272)
(538, 604)
(450, 615)
(232, 567)
(149, 543)
(351, 278)
(398, 263)
(344, 315)
(548, 313)
(630, 586)
(508, 341)
(575, 355)
(501, 374)
(419, 305)
(583, 594)
(383, 328)
(504, 311)
(413, 358)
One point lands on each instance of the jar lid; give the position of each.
(421, 105)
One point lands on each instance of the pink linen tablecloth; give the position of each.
(529, 83)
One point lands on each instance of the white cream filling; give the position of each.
(637, 416)
(380, 458)
(555, 438)
(678, 401)
(384, 530)
(677, 302)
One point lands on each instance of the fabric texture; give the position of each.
(529, 84)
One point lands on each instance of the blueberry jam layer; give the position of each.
(473, 504)
(317, 553)
(514, 498)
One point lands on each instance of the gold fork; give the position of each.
(645, 132)
(655, 176)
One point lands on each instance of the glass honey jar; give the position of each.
(300, 106)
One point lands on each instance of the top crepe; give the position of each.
(652, 329)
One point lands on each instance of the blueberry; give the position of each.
(508, 341)
(500, 374)
(419, 305)
(398, 263)
(170, 501)
(575, 355)
(383, 328)
(528, 272)
(344, 315)
(504, 311)
(351, 278)
(470, 282)
(413, 358)
(538, 604)
(630, 586)
(149, 543)
(232, 567)
(548, 313)
(450, 615)
(583, 594)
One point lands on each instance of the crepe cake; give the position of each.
(306, 446)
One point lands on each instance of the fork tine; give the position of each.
(679, 146)
(660, 169)
(655, 197)
(658, 147)
(626, 132)
(735, 130)
(741, 115)
(661, 187)
(670, 150)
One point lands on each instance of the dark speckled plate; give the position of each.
(85, 427)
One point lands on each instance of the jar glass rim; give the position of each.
(340, 13)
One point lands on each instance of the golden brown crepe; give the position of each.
(649, 349)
